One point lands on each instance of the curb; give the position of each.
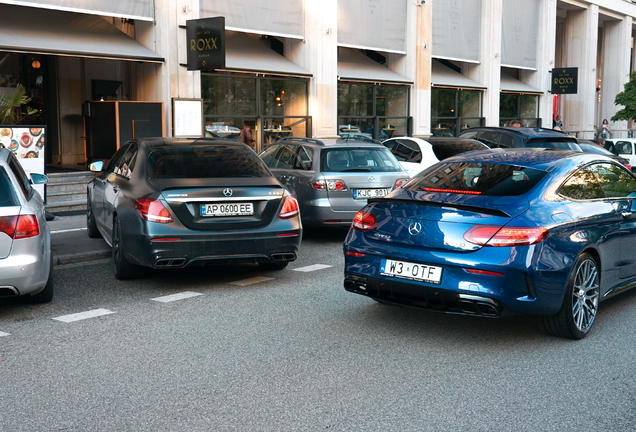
(81, 257)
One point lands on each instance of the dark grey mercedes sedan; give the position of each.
(168, 203)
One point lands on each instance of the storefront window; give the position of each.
(454, 111)
(373, 111)
(283, 97)
(228, 95)
(515, 106)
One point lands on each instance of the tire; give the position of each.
(269, 266)
(46, 295)
(580, 305)
(123, 268)
(91, 225)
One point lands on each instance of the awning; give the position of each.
(443, 76)
(244, 53)
(355, 66)
(43, 31)
(510, 84)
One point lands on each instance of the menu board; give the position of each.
(187, 117)
(28, 144)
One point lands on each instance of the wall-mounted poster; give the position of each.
(28, 144)
(187, 117)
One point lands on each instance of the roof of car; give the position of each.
(157, 143)
(332, 142)
(524, 131)
(540, 158)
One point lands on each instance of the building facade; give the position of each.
(319, 68)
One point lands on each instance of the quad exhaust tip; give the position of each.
(170, 262)
(284, 257)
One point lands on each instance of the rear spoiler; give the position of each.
(475, 209)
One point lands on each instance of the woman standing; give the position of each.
(605, 130)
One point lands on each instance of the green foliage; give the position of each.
(627, 98)
(11, 106)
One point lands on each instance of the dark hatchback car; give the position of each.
(167, 203)
(512, 137)
(525, 231)
(591, 147)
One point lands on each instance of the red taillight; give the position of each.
(452, 191)
(483, 272)
(152, 210)
(364, 221)
(7, 225)
(171, 239)
(493, 235)
(355, 254)
(318, 185)
(629, 167)
(400, 183)
(290, 208)
(27, 227)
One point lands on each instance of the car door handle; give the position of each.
(116, 188)
(626, 214)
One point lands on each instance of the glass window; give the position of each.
(478, 178)
(286, 157)
(206, 162)
(392, 100)
(268, 155)
(528, 106)
(113, 165)
(283, 97)
(623, 148)
(228, 95)
(305, 158)
(469, 103)
(506, 141)
(404, 150)
(127, 164)
(582, 185)
(7, 194)
(509, 105)
(353, 159)
(443, 102)
(355, 99)
(615, 181)
(562, 144)
(21, 176)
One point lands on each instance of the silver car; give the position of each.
(25, 238)
(333, 178)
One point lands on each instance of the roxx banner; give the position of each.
(565, 80)
(206, 43)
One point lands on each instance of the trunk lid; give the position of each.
(439, 220)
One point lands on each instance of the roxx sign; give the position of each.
(565, 80)
(206, 43)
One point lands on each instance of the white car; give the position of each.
(624, 147)
(416, 154)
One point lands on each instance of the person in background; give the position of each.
(515, 123)
(601, 142)
(605, 130)
(247, 135)
(558, 123)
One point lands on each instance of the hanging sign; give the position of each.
(206, 43)
(565, 80)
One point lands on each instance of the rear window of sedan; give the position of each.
(7, 194)
(205, 162)
(476, 179)
(361, 159)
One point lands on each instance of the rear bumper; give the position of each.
(26, 270)
(205, 248)
(320, 213)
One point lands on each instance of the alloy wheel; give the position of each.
(585, 293)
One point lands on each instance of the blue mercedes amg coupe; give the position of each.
(498, 232)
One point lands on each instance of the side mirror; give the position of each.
(96, 166)
(39, 178)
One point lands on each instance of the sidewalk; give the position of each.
(70, 242)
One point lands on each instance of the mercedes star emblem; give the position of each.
(227, 192)
(415, 228)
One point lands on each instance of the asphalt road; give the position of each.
(246, 350)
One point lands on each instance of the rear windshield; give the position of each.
(205, 162)
(361, 159)
(7, 194)
(446, 150)
(477, 179)
(553, 143)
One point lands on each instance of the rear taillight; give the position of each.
(152, 210)
(493, 235)
(290, 208)
(400, 183)
(332, 185)
(18, 227)
(629, 167)
(364, 221)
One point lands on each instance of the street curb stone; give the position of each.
(81, 257)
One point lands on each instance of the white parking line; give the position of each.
(175, 297)
(4, 334)
(84, 315)
(312, 268)
(68, 230)
(251, 281)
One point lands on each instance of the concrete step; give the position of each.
(56, 197)
(66, 206)
(65, 178)
(66, 187)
